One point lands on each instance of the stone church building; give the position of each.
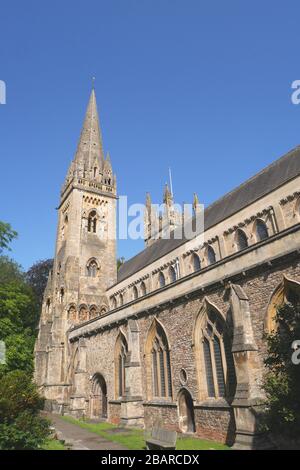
(174, 338)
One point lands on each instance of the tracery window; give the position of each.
(216, 360)
(92, 222)
(121, 350)
(159, 355)
(92, 268)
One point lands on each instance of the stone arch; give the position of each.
(103, 309)
(172, 274)
(158, 362)
(186, 414)
(92, 267)
(83, 313)
(241, 239)
(114, 302)
(210, 255)
(92, 221)
(161, 279)
(135, 293)
(260, 230)
(72, 313)
(143, 288)
(286, 291)
(120, 355)
(98, 398)
(93, 311)
(212, 340)
(297, 208)
(196, 262)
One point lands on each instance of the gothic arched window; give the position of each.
(114, 302)
(241, 239)
(121, 350)
(161, 279)
(83, 313)
(93, 311)
(135, 293)
(72, 313)
(92, 222)
(92, 268)
(196, 262)
(158, 358)
(143, 289)
(261, 230)
(172, 273)
(48, 303)
(61, 295)
(211, 255)
(121, 299)
(214, 344)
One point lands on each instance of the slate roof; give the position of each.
(264, 182)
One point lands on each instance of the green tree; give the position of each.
(21, 427)
(282, 380)
(37, 277)
(7, 234)
(120, 261)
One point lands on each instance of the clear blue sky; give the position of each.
(201, 86)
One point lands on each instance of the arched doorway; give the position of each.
(99, 397)
(186, 411)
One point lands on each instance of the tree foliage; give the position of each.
(37, 277)
(21, 427)
(7, 234)
(120, 262)
(282, 380)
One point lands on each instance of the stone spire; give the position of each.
(196, 204)
(168, 196)
(89, 164)
(90, 149)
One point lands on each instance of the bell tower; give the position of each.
(85, 257)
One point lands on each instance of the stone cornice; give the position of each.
(248, 220)
(235, 277)
(289, 198)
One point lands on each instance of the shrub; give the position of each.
(282, 380)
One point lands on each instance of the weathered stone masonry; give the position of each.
(176, 339)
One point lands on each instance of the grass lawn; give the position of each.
(53, 444)
(133, 439)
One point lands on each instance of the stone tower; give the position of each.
(85, 258)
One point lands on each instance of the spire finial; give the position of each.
(93, 83)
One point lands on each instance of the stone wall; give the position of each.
(214, 418)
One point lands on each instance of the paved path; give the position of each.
(81, 439)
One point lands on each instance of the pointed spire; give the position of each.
(196, 203)
(90, 142)
(148, 201)
(167, 197)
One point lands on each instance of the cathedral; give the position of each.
(174, 338)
